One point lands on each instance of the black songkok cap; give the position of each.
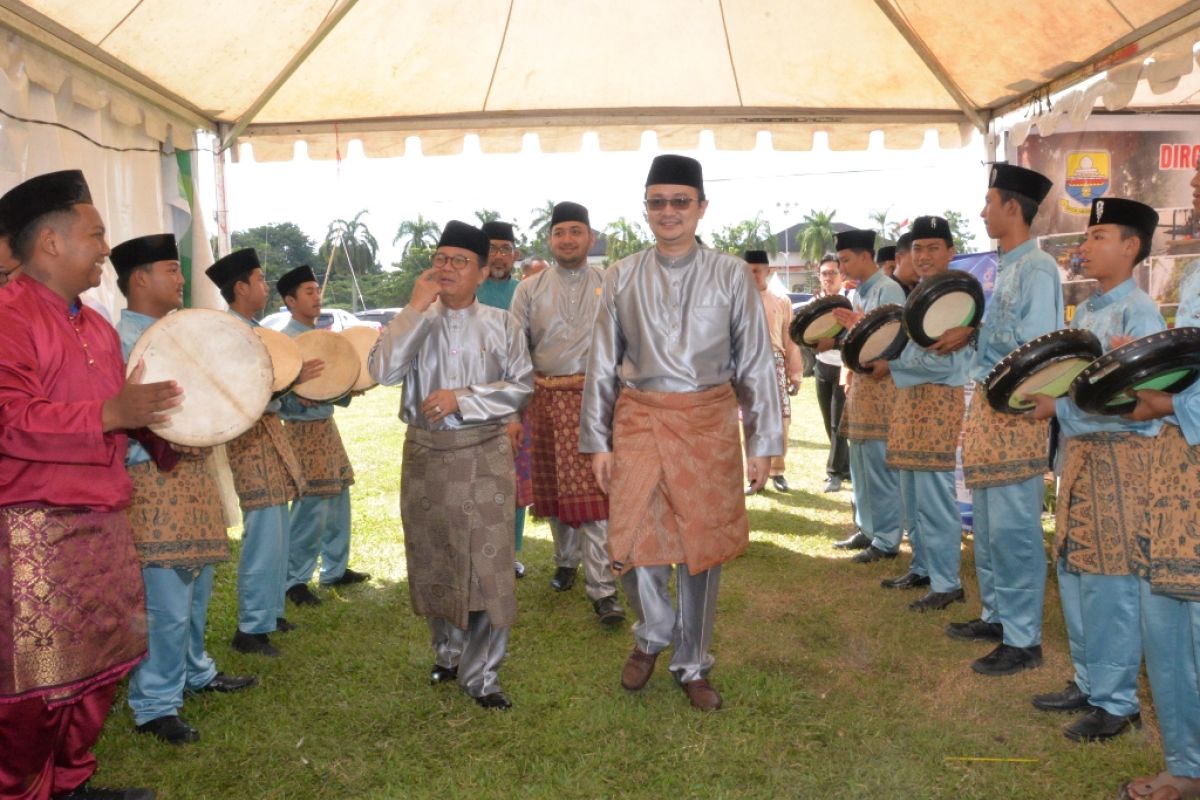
(1025, 182)
(233, 267)
(932, 228)
(677, 170)
(904, 243)
(855, 240)
(468, 237)
(756, 257)
(499, 230)
(291, 280)
(44, 194)
(569, 212)
(1118, 211)
(128, 256)
(885, 254)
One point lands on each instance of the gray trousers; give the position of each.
(477, 651)
(589, 543)
(688, 629)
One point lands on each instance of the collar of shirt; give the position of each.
(456, 313)
(252, 323)
(1105, 299)
(138, 321)
(871, 281)
(48, 296)
(1008, 257)
(296, 325)
(672, 263)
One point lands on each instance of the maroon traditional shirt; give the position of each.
(58, 364)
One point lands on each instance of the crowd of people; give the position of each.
(632, 408)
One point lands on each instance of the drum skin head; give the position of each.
(341, 365)
(815, 321)
(285, 357)
(878, 335)
(1045, 365)
(1168, 361)
(221, 365)
(363, 339)
(941, 302)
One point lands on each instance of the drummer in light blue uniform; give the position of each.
(1007, 482)
(924, 432)
(1104, 490)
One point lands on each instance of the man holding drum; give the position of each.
(266, 475)
(869, 401)
(466, 374)
(177, 520)
(72, 622)
(1004, 456)
(1104, 490)
(831, 399)
(556, 310)
(319, 521)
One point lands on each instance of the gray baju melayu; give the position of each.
(680, 326)
(458, 480)
(557, 310)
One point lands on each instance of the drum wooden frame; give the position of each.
(1168, 361)
(878, 335)
(941, 302)
(1045, 365)
(815, 321)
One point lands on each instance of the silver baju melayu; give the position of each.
(671, 328)
(557, 311)
(458, 480)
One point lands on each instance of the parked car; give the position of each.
(381, 315)
(798, 299)
(334, 319)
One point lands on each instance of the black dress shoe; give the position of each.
(976, 631)
(1100, 726)
(871, 555)
(519, 568)
(780, 483)
(1069, 699)
(564, 578)
(254, 644)
(283, 626)
(440, 674)
(301, 595)
(1008, 660)
(226, 684)
(496, 700)
(609, 611)
(859, 541)
(349, 578)
(88, 792)
(170, 729)
(909, 580)
(937, 601)
(832, 484)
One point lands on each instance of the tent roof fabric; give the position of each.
(274, 71)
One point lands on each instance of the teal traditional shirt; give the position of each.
(1027, 302)
(1124, 311)
(877, 290)
(274, 405)
(130, 328)
(290, 407)
(915, 365)
(497, 294)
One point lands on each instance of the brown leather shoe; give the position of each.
(703, 696)
(637, 670)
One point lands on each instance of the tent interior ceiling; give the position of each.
(274, 71)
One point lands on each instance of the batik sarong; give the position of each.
(322, 456)
(564, 485)
(868, 408)
(1171, 548)
(265, 470)
(1001, 449)
(176, 517)
(924, 428)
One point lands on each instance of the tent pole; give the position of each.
(223, 243)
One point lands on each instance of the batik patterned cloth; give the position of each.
(923, 432)
(676, 495)
(72, 615)
(868, 409)
(1169, 553)
(322, 456)
(176, 517)
(1001, 449)
(457, 506)
(781, 375)
(564, 485)
(265, 470)
(523, 463)
(1103, 496)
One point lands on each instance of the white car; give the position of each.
(334, 319)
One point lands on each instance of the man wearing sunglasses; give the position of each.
(681, 338)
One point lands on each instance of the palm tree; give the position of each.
(750, 234)
(886, 230)
(486, 215)
(539, 226)
(351, 239)
(421, 234)
(624, 238)
(818, 235)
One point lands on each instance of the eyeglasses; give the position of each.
(459, 262)
(829, 274)
(677, 203)
(504, 249)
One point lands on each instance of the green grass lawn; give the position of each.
(832, 688)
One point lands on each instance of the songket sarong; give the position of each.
(923, 432)
(676, 495)
(72, 616)
(564, 485)
(1001, 449)
(523, 462)
(176, 517)
(781, 378)
(868, 409)
(1103, 496)
(322, 456)
(265, 470)
(457, 507)
(1171, 548)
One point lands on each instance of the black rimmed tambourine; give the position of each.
(815, 321)
(941, 302)
(1046, 365)
(877, 336)
(1168, 361)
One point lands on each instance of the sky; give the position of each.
(782, 186)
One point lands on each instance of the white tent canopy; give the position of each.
(272, 72)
